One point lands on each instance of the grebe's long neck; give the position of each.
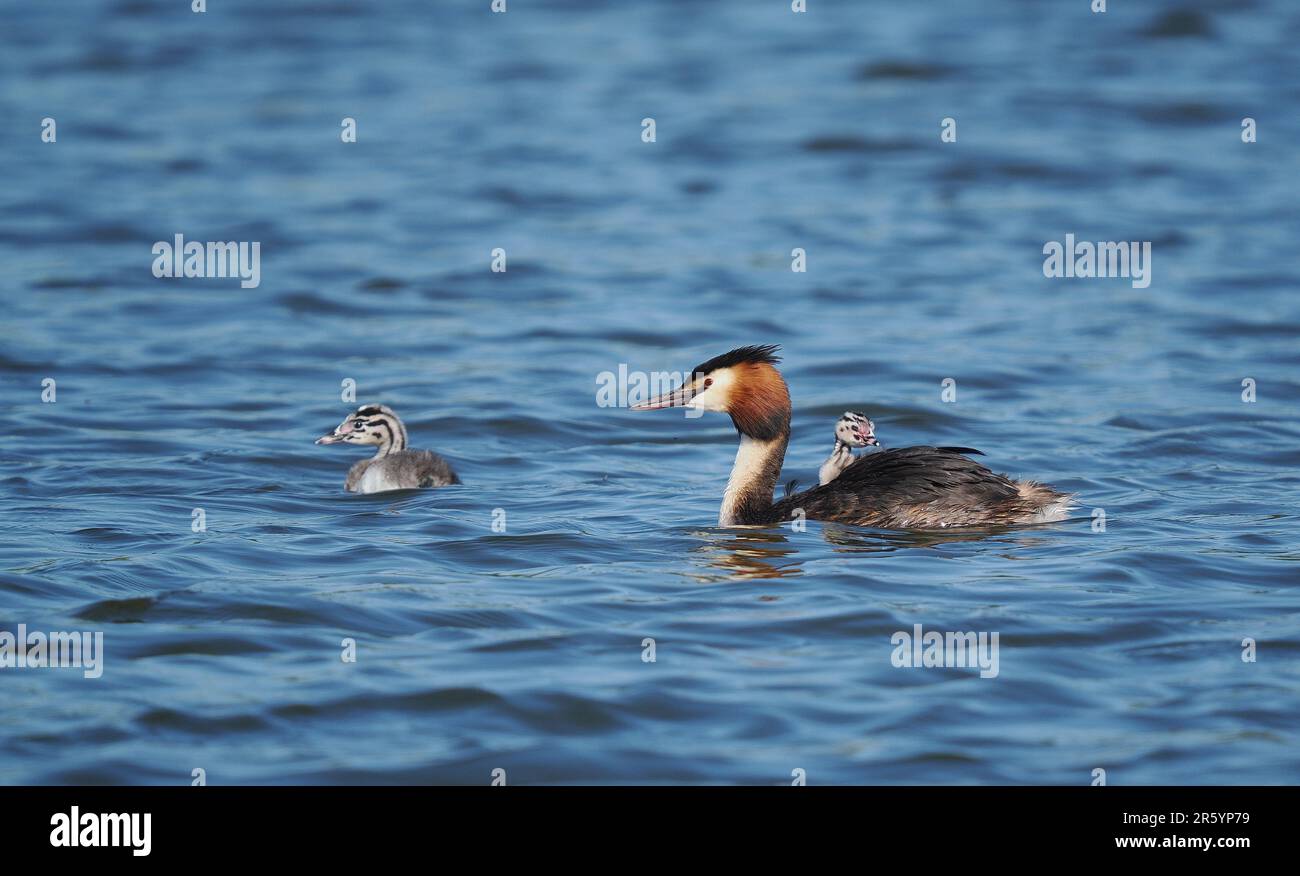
(749, 492)
(392, 431)
(759, 405)
(840, 458)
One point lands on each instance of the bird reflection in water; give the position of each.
(773, 552)
(757, 552)
(856, 539)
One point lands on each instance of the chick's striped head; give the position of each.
(855, 430)
(375, 425)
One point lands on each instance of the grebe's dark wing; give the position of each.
(967, 450)
(882, 486)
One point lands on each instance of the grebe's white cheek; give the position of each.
(709, 400)
(717, 396)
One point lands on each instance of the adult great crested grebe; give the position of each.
(393, 467)
(905, 488)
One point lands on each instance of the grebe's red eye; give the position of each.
(708, 381)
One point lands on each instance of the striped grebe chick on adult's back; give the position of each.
(393, 467)
(851, 430)
(905, 488)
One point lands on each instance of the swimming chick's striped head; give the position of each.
(375, 425)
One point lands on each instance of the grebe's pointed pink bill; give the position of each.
(678, 398)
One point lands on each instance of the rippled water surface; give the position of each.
(523, 649)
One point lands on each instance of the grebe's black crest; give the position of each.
(765, 354)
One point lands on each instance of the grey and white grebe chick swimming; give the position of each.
(903, 488)
(851, 430)
(393, 467)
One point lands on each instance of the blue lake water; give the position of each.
(522, 650)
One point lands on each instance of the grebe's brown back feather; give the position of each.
(912, 488)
